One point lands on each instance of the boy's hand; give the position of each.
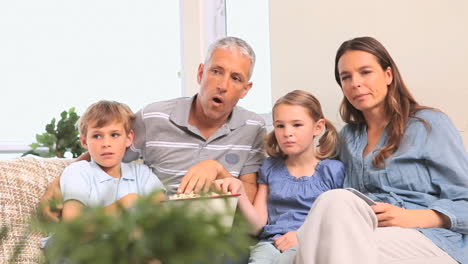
(158, 197)
(286, 241)
(128, 200)
(200, 176)
(226, 185)
(52, 202)
(125, 202)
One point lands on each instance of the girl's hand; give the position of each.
(391, 215)
(286, 241)
(226, 185)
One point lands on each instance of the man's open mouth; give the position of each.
(217, 100)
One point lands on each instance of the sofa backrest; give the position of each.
(22, 183)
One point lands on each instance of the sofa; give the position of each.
(22, 183)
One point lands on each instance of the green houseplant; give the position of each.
(60, 137)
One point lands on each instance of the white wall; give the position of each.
(428, 39)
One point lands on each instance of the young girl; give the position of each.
(291, 178)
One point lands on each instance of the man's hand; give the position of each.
(200, 176)
(52, 196)
(391, 215)
(85, 156)
(286, 241)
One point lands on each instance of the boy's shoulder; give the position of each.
(88, 165)
(78, 165)
(81, 171)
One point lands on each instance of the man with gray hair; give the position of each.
(189, 142)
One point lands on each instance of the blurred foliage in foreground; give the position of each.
(146, 232)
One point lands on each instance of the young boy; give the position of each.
(106, 131)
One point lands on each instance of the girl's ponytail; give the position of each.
(271, 146)
(328, 142)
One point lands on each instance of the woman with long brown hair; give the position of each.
(408, 158)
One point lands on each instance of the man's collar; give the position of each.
(181, 113)
(236, 119)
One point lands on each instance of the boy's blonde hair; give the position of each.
(328, 142)
(104, 113)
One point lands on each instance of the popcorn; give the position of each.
(192, 195)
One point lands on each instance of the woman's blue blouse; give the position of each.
(290, 198)
(428, 171)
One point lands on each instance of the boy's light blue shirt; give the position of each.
(86, 182)
(428, 171)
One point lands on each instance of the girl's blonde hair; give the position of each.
(104, 113)
(328, 142)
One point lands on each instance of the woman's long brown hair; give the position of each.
(400, 105)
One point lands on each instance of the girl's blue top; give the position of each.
(428, 171)
(290, 198)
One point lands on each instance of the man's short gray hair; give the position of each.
(232, 42)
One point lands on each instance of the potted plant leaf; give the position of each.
(60, 137)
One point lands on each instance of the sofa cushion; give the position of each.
(22, 183)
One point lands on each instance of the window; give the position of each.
(56, 55)
(61, 54)
(249, 20)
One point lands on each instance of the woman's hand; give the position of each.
(231, 184)
(391, 215)
(286, 241)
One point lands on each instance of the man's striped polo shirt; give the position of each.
(170, 145)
